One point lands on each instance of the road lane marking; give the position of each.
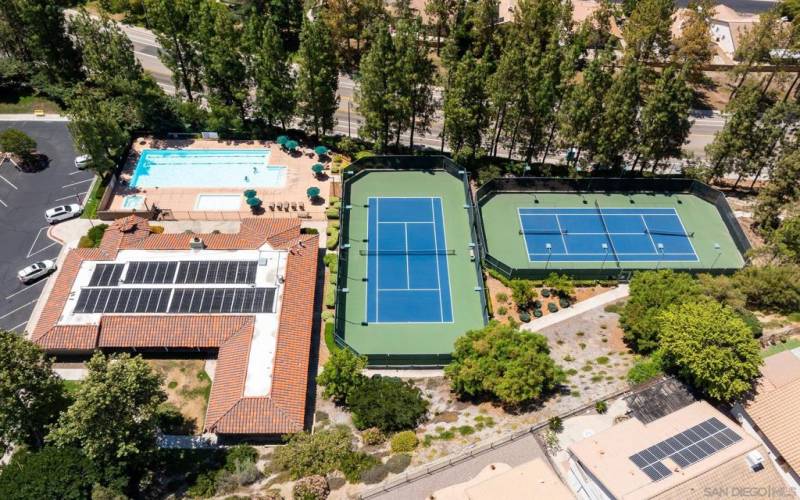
(4, 203)
(76, 183)
(9, 182)
(18, 309)
(27, 288)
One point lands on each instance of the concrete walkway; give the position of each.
(620, 292)
(23, 117)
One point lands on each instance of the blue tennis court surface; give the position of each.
(600, 234)
(407, 274)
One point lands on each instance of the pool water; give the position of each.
(226, 168)
(132, 201)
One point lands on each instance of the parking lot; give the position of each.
(23, 199)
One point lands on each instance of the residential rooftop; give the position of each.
(255, 312)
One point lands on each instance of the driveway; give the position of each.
(23, 199)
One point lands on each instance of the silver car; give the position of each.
(63, 212)
(36, 271)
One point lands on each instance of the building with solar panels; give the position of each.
(693, 452)
(246, 298)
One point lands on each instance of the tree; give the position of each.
(466, 113)
(388, 403)
(731, 145)
(31, 394)
(341, 375)
(771, 288)
(711, 348)
(63, 473)
(349, 21)
(664, 118)
(317, 78)
(376, 95)
(320, 453)
(504, 363)
(100, 127)
(174, 23)
(274, 102)
(522, 293)
(781, 190)
(561, 284)
(17, 143)
(694, 47)
(414, 75)
(650, 293)
(616, 134)
(786, 240)
(114, 418)
(440, 12)
(648, 30)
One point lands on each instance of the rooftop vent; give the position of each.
(755, 460)
(196, 243)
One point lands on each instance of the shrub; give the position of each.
(466, 430)
(602, 360)
(404, 442)
(85, 242)
(601, 407)
(93, 236)
(398, 463)
(322, 452)
(373, 436)
(645, 369)
(341, 376)
(552, 307)
(17, 142)
(330, 259)
(363, 154)
(49, 473)
(309, 230)
(502, 311)
(330, 334)
(502, 362)
(522, 293)
(334, 223)
(388, 403)
(332, 213)
(374, 475)
(330, 296)
(561, 285)
(555, 424)
(240, 453)
(524, 316)
(156, 229)
(771, 288)
(501, 297)
(356, 464)
(311, 488)
(333, 240)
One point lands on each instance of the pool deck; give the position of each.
(182, 201)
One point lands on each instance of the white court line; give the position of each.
(9, 182)
(79, 182)
(26, 288)
(35, 239)
(408, 264)
(78, 195)
(19, 325)
(19, 308)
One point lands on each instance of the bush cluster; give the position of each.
(404, 442)
(311, 488)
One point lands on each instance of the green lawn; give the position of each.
(90, 210)
(783, 346)
(72, 386)
(26, 104)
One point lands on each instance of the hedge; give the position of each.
(404, 442)
(330, 297)
(332, 213)
(330, 343)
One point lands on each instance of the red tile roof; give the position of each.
(229, 412)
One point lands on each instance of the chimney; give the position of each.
(196, 243)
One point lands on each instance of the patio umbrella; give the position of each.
(253, 202)
(291, 145)
(317, 168)
(312, 192)
(282, 139)
(320, 150)
(249, 193)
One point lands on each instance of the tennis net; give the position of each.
(406, 252)
(671, 233)
(608, 234)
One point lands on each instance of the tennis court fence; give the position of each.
(398, 163)
(602, 185)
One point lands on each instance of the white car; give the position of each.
(83, 162)
(36, 271)
(63, 212)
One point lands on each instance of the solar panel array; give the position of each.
(223, 300)
(123, 300)
(106, 275)
(177, 300)
(151, 272)
(685, 448)
(217, 271)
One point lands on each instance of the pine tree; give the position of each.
(376, 96)
(664, 118)
(732, 145)
(440, 13)
(415, 75)
(648, 30)
(270, 71)
(695, 47)
(466, 113)
(317, 78)
(617, 131)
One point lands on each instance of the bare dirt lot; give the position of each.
(187, 386)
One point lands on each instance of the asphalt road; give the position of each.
(23, 199)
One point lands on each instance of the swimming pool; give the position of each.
(230, 168)
(132, 201)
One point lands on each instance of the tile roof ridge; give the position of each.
(246, 365)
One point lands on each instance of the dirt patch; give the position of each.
(187, 386)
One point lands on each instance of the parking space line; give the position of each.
(76, 195)
(19, 325)
(30, 250)
(79, 182)
(26, 288)
(9, 182)
(19, 308)
(75, 172)
(43, 249)
(4, 203)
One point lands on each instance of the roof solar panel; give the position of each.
(106, 275)
(682, 460)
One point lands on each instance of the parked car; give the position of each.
(36, 271)
(83, 162)
(63, 212)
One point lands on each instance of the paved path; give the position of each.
(16, 117)
(608, 297)
(513, 453)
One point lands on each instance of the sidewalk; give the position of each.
(581, 307)
(30, 117)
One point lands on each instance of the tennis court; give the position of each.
(601, 234)
(407, 270)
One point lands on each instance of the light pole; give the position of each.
(348, 119)
(660, 254)
(549, 249)
(719, 252)
(605, 255)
